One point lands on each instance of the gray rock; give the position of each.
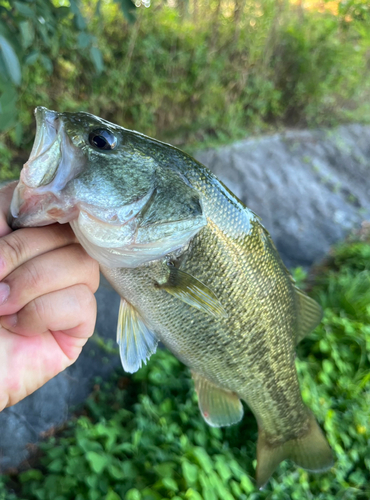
(309, 187)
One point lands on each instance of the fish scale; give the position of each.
(194, 267)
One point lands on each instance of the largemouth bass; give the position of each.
(194, 267)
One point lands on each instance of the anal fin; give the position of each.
(218, 407)
(311, 452)
(136, 342)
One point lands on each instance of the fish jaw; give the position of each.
(53, 162)
(30, 208)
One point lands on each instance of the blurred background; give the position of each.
(185, 71)
(205, 75)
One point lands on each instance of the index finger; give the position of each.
(22, 245)
(6, 194)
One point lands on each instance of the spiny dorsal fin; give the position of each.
(192, 291)
(136, 342)
(311, 452)
(218, 407)
(309, 314)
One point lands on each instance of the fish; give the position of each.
(194, 267)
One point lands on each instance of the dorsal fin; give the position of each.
(309, 314)
(217, 406)
(136, 342)
(192, 291)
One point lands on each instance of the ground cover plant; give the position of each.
(141, 437)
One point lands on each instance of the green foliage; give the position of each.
(142, 437)
(33, 33)
(183, 77)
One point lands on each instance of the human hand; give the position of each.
(47, 283)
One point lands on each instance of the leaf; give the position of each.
(8, 100)
(32, 58)
(133, 494)
(56, 465)
(27, 33)
(88, 445)
(97, 59)
(46, 62)
(246, 484)
(223, 469)
(83, 40)
(165, 469)
(11, 61)
(128, 8)
(31, 475)
(190, 472)
(23, 9)
(78, 18)
(170, 483)
(192, 495)
(203, 458)
(98, 462)
(112, 495)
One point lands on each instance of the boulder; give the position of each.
(309, 187)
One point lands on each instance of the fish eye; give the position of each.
(102, 139)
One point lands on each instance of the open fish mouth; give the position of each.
(46, 132)
(37, 199)
(46, 154)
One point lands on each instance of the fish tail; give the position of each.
(311, 452)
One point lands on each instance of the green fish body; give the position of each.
(194, 267)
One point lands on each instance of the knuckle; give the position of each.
(13, 248)
(90, 269)
(94, 274)
(35, 311)
(32, 276)
(84, 296)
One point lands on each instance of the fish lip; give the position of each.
(29, 209)
(45, 136)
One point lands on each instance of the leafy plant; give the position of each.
(34, 32)
(199, 74)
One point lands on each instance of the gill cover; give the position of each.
(170, 215)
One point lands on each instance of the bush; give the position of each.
(186, 78)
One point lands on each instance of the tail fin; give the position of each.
(311, 452)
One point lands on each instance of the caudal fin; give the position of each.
(311, 452)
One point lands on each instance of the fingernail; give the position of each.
(4, 292)
(9, 321)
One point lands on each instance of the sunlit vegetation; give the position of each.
(186, 72)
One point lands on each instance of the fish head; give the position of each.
(123, 201)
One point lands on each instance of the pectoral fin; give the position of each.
(218, 407)
(136, 342)
(309, 314)
(192, 291)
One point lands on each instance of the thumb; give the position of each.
(6, 194)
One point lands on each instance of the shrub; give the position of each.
(186, 78)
